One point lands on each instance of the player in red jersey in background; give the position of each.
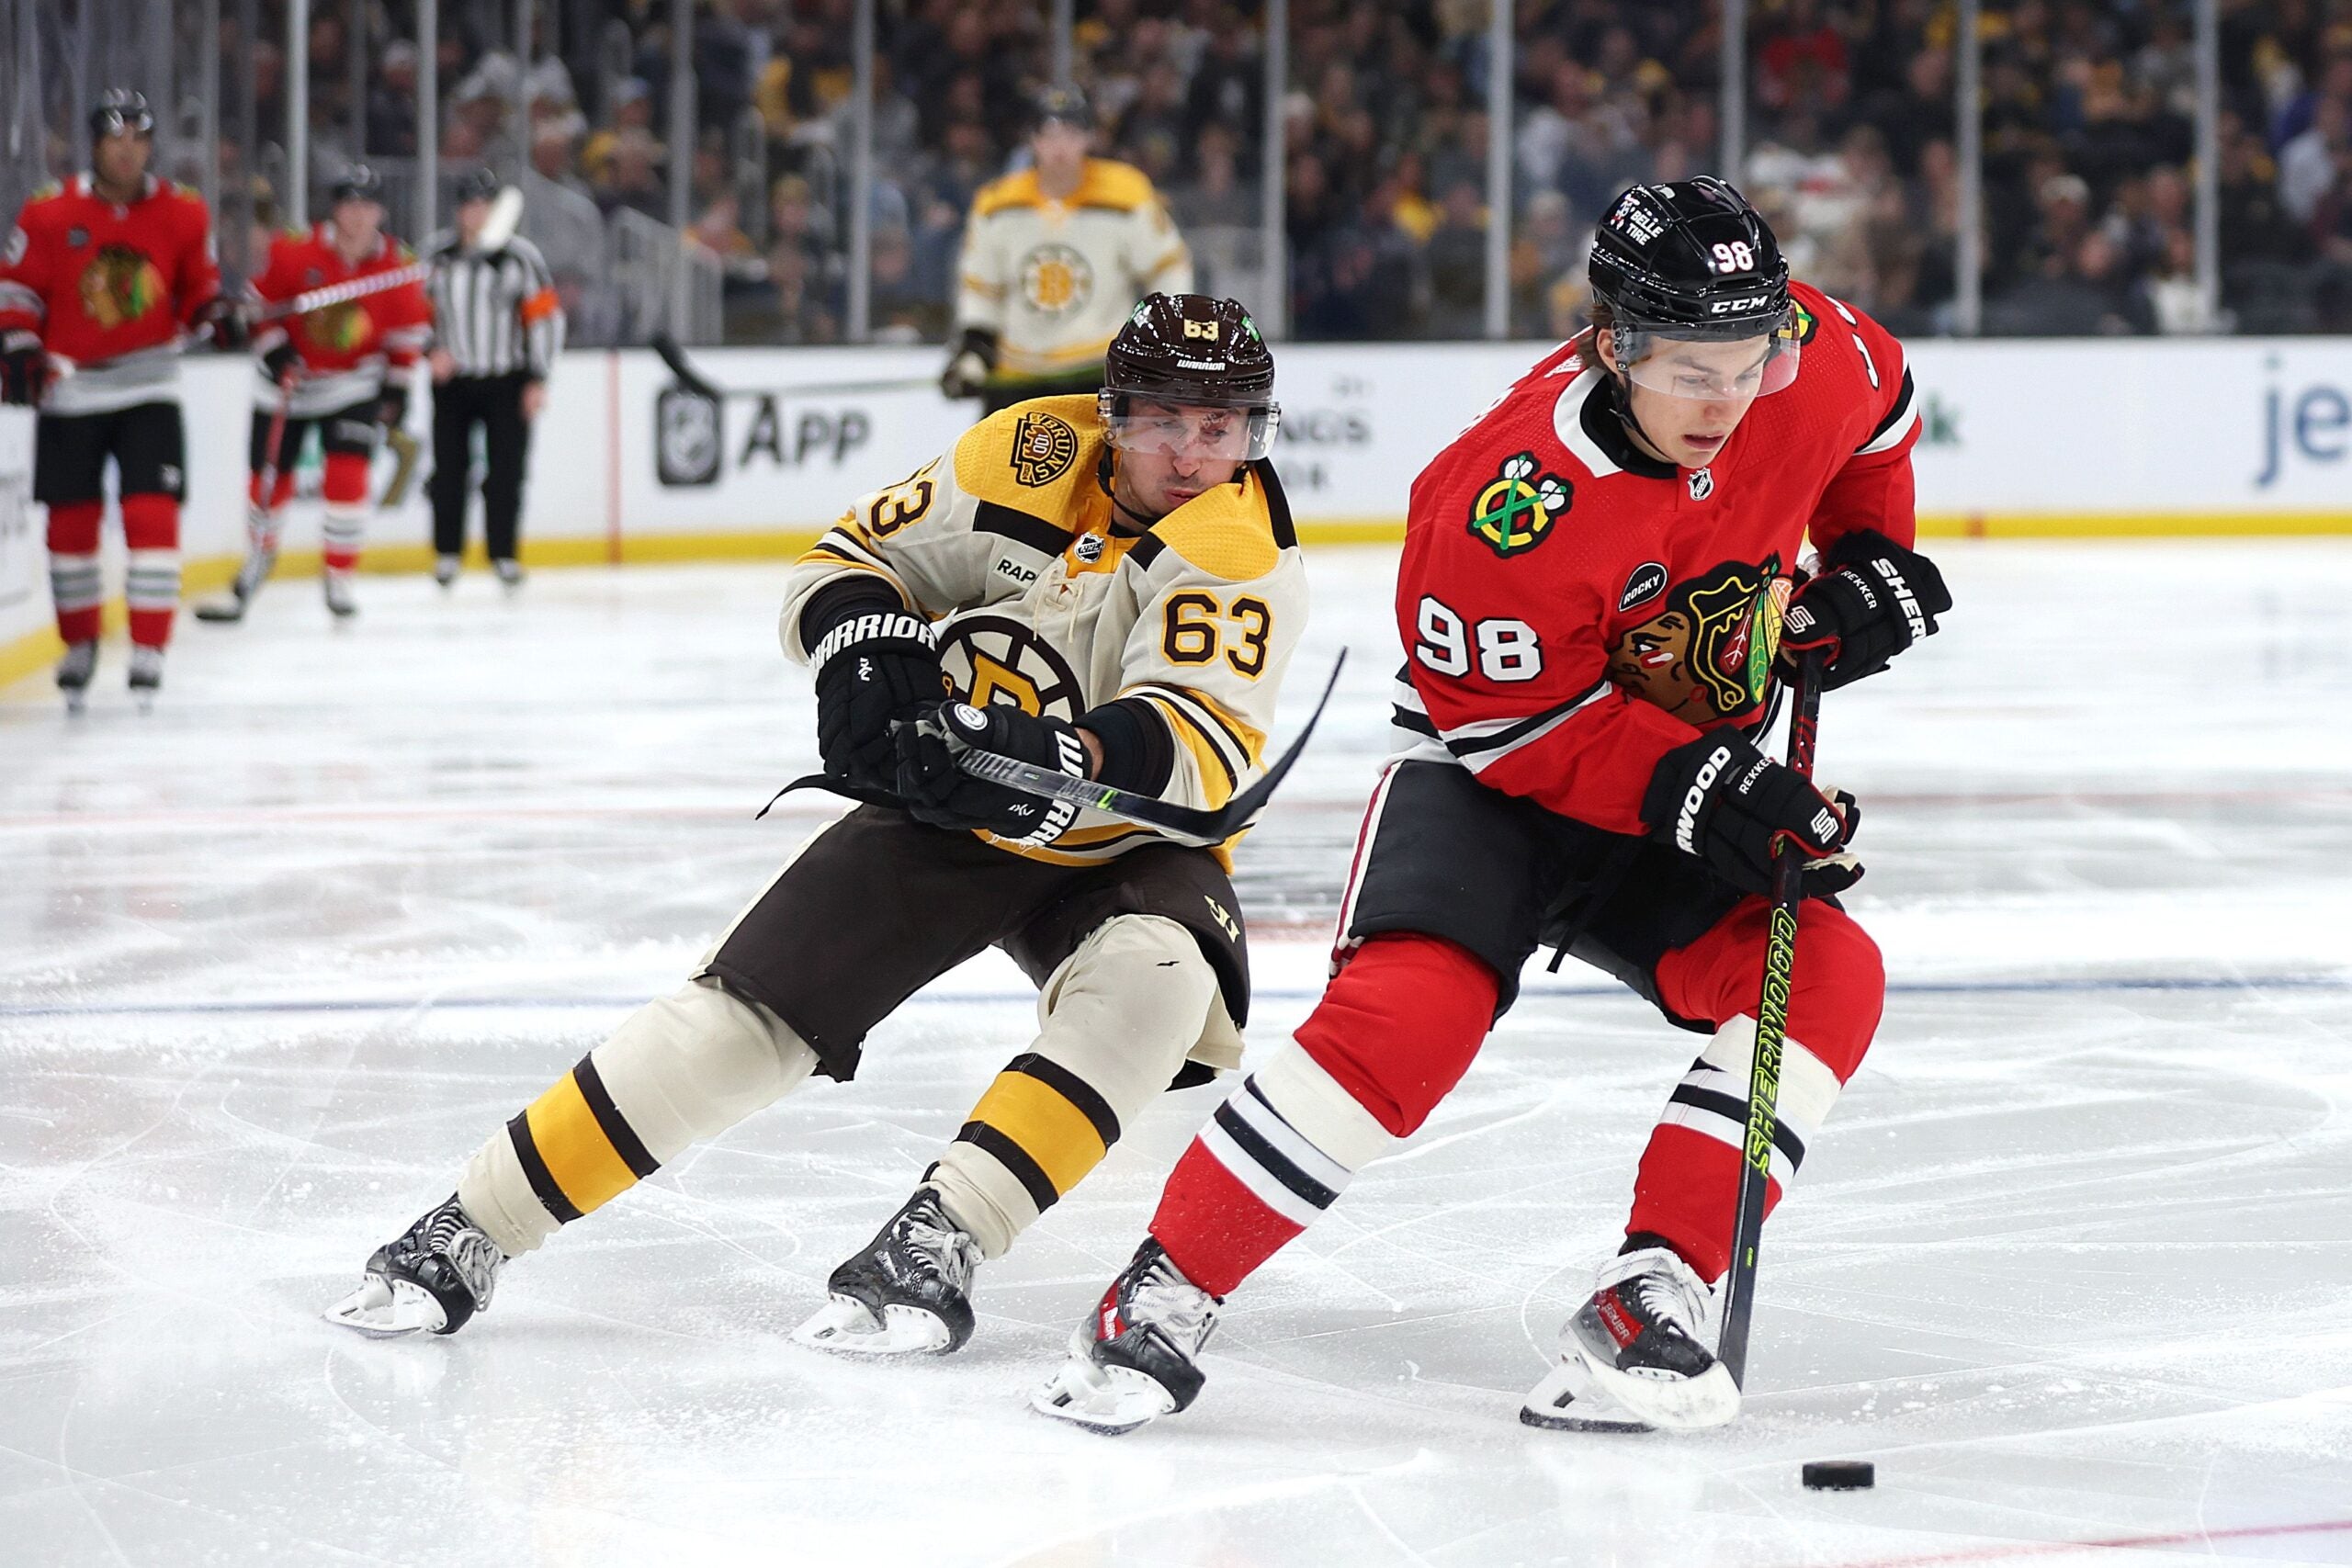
(100, 279)
(1592, 596)
(344, 368)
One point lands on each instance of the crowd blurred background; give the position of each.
(2087, 136)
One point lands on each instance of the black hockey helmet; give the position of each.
(1060, 103)
(476, 184)
(1195, 351)
(1693, 260)
(358, 183)
(121, 110)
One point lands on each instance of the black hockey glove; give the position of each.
(938, 792)
(967, 368)
(392, 412)
(878, 664)
(1718, 797)
(24, 369)
(226, 319)
(1873, 600)
(282, 364)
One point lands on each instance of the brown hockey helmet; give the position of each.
(1196, 351)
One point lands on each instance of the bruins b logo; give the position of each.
(1043, 447)
(1056, 279)
(994, 659)
(1517, 508)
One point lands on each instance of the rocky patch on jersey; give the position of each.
(119, 285)
(1708, 655)
(1056, 279)
(1042, 448)
(1516, 508)
(994, 659)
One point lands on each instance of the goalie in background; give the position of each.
(1107, 586)
(1054, 258)
(497, 327)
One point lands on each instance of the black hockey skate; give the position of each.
(908, 1294)
(433, 1278)
(75, 672)
(1134, 1360)
(1638, 1342)
(146, 675)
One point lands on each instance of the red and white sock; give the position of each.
(346, 520)
(74, 581)
(150, 527)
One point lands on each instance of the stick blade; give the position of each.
(505, 216)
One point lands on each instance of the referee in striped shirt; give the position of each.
(497, 326)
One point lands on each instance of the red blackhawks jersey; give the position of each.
(351, 351)
(108, 288)
(1573, 610)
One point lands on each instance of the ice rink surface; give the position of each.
(2073, 1262)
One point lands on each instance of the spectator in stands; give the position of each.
(632, 176)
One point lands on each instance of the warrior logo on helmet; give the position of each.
(119, 285)
(1516, 508)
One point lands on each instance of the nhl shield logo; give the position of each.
(688, 439)
(1702, 483)
(1518, 507)
(1043, 447)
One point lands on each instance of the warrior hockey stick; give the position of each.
(695, 381)
(1771, 1030)
(1185, 823)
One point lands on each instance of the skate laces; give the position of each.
(1669, 1294)
(1163, 1299)
(449, 1232)
(941, 1249)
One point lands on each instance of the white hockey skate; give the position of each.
(231, 608)
(445, 570)
(1638, 1341)
(337, 587)
(1566, 1399)
(432, 1280)
(908, 1293)
(1133, 1360)
(146, 676)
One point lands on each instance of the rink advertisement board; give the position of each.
(2056, 438)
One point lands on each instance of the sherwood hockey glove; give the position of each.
(24, 369)
(938, 792)
(1873, 600)
(878, 664)
(1721, 799)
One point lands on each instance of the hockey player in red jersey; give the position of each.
(101, 278)
(1594, 595)
(344, 368)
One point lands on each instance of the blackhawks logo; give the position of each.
(1708, 655)
(1802, 324)
(340, 328)
(1043, 447)
(118, 286)
(1517, 508)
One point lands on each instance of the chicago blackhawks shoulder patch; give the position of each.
(1516, 510)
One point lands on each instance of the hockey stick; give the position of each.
(1771, 1031)
(233, 610)
(695, 381)
(406, 449)
(1185, 823)
(339, 293)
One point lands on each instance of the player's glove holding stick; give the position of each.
(1721, 799)
(24, 369)
(223, 321)
(1872, 600)
(879, 665)
(938, 792)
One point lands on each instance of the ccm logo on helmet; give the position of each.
(1686, 821)
(1726, 306)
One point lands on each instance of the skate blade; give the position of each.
(77, 701)
(387, 1309)
(220, 612)
(1675, 1403)
(845, 1328)
(1566, 1401)
(1113, 1401)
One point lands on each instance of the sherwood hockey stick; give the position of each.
(1771, 1031)
(1185, 823)
(695, 381)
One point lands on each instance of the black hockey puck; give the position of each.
(1841, 1474)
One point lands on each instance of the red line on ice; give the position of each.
(2113, 1543)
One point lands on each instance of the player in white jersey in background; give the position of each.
(1054, 258)
(1105, 586)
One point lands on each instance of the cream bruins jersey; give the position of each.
(1055, 279)
(1006, 545)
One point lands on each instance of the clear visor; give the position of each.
(1713, 371)
(1241, 435)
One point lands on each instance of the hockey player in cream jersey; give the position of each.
(1107, 586)
(1054, 258)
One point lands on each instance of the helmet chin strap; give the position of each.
(1623, 380)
